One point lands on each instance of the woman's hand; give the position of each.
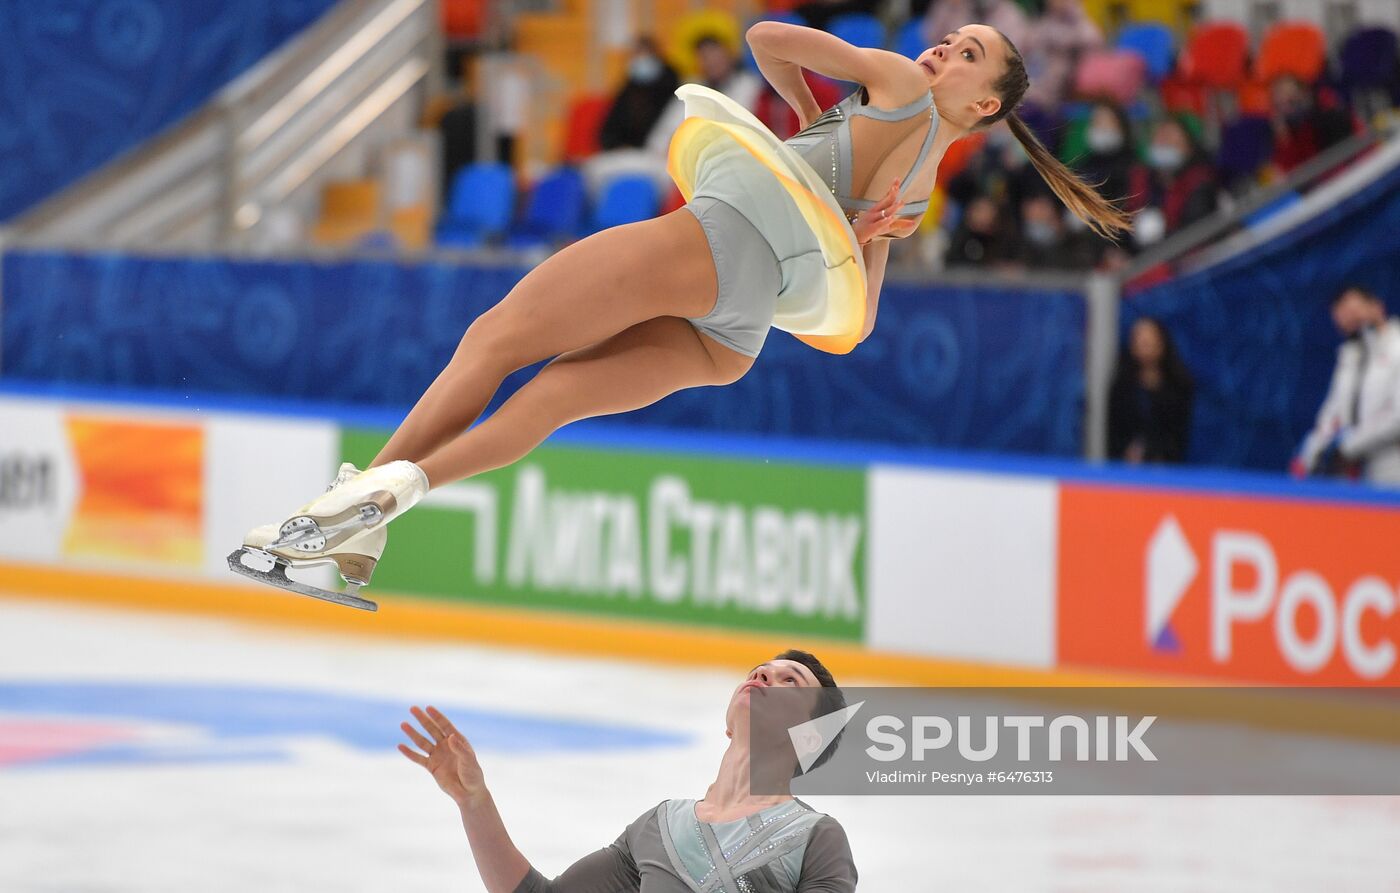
(449, 758)
(883, 219)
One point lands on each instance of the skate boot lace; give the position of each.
(344, 475)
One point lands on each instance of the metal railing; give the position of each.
(207, 182)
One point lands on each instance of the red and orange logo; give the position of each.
(1224, 587)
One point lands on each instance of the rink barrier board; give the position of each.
(1112, 569)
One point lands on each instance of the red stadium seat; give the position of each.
(586, 116)
(1181, 95)
(463, 18)
(674, 201)
(1110, 74)
(1296, 48)
(1216, 55)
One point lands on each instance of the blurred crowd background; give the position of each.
(1175, 107)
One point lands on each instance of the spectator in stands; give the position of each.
(819, 13)
(719, 70)
(1357, 431)
(1054, 44)
(1002, 172)
(946, 16)
(1304, 122)
(1183, 187)
(637, 106)
(1149, 408)
(1112, 163)
(1046, 242)
(983, 235)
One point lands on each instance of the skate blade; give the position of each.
(277, 576)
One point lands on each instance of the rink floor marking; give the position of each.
(408, 617)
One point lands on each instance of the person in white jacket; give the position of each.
(1357, 431)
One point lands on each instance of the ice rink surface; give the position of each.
(144, 752)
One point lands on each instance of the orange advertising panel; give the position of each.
(1242, 588)
(141, 491)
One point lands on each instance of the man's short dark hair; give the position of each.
(1368, 293)
(829, 700)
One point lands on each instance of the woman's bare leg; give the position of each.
(627, 371)
(585, 293)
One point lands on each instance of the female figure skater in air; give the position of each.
(790, 235)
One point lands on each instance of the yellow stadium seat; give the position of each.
(349, 211)
(1173, 13)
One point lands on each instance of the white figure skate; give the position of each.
(346, 527)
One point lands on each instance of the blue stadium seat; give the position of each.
(555, 210)
(626, 200)
(910, 39)
(858, 29)
(480, 206)
(1154, 43)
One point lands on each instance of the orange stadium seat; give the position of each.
(349, 211)
(1297, 48)
(958, 156)
(1216, 55)
(1254, 99)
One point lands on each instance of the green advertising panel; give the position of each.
(745, 544)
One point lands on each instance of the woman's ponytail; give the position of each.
(1083, 200)
(1106, 218)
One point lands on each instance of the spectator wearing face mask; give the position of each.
(1060, 36)
(1046, 242)
(1112, 162)
(637, 106)
(719, 69)
(1357, 431)
(1149, 408)
(1182, 188)
(1304, 123)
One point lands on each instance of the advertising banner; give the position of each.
(1225, 587)
(92, 488)
(146, 489)
(744, 544)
